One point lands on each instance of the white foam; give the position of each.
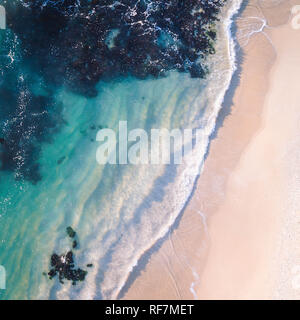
(177, 194)
(110, 232)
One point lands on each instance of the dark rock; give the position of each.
(196, 71)
(69, 258)
(71, 233)
(64, 266)
(52, 273)
(54, 260)
(81, 274)
(90, 265)
(74, 244)
(60, 160)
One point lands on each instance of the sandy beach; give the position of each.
(239, 236)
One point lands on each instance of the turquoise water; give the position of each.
(97, 201)
(118, 211)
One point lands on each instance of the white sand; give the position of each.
(249, 190)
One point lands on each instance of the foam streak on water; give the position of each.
(223, 67)
(119, 212)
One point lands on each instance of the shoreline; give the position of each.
(228, 28)
(229, 13)
(189, 262)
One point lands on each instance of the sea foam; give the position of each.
(157, 216)
(118, 212)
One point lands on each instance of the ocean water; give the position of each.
(118, 211)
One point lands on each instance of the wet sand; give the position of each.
(238, 236)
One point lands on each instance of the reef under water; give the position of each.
(68, 69)
(64, 265)
(80, 42)
(76, 43)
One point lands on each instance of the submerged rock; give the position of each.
(71, 233)
(64, 266)
(60, 160)
(79, 42)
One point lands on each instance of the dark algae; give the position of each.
(64, 265)
(71, 233)
(61, 160)
(77, 43)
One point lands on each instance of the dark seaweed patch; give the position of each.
(71, 41)
(27, 117)
(71, 233)
(31, 119)
(64, 265)
(76, 43)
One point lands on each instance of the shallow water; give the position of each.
(118, 211)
